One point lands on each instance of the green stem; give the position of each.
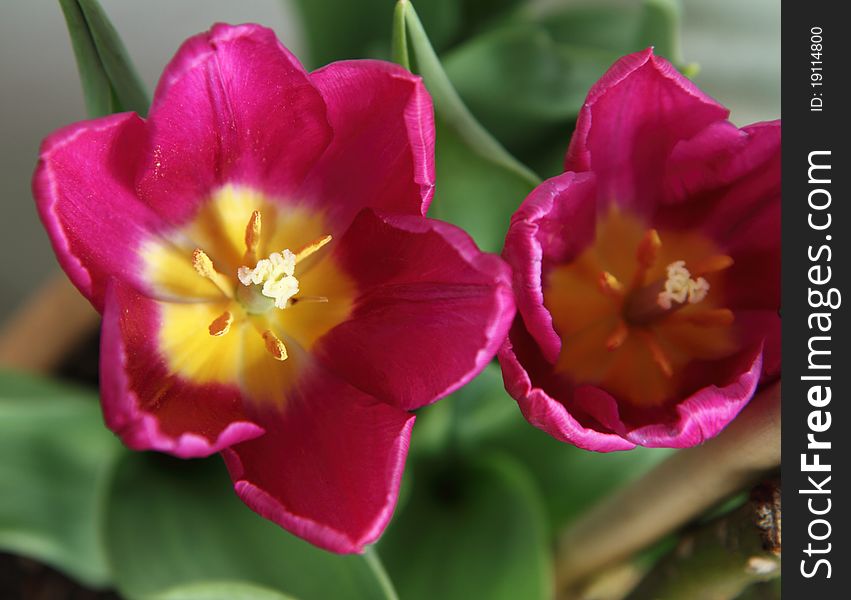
(722, 558)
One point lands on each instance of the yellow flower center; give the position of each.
(271, 282)
(264, 296)
(631, 322)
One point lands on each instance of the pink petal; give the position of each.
(329, 466)
(83, 187)
(705, 413)
(553, 225)
(632, 120)
(529, 380)
(432, 309)
(233, 106)
(382, 153)
(150, 408)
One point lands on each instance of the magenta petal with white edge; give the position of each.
(151, 408)
(431, 311)
(233, 106)
(382, 153)
(631, 121)
(328, 468)
(554, 224)
(547, 413)
(83, 187)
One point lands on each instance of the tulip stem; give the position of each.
(399, 43)
(675, 492)
(48, 325)
(723, 557)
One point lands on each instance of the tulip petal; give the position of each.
(233, 106)
(553, 225)
(328, 468)
(705, 413)
(382, 154)
(431, 313)
(148, 406)
(630, 123)
(529, 380)
(84, 178)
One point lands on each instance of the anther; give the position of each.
(713, 264)
(274, 345)
(610, 285)
(252, 237)
(658, 354)
(617, 337)
(646, 254)
(311, 248)
(221, 324)
(308, 300)
(204, 267)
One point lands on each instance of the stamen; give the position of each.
(679, 287)
(713, 264)
(617, 337)
(713, 317)
(221, 324)
(204, 267)
(311, 248)
(659, 357)
(646, 254)
(252, 237)
(308, 300)
(610, 285)
(274, 345)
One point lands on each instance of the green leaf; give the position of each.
(529, 78)
(343, 29)
(451, 109)
(57, 461)
(486, 419)
(221, 590)
(175, 523)
(480, 183)
(473, 528)
(110, 82)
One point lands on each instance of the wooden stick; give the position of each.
(49, 324)
(676, 491)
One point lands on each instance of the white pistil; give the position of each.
(681, 288)
(275, 274)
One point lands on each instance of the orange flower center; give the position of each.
(637, 307)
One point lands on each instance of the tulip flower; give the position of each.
(270, 287)
(647, 275)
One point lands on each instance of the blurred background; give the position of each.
(735, 43)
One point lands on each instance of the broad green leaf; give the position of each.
(529, 78)
(110, 82)
(479, 183)
(451, 109)
(473, 528)
(342, 29)
(57, 461)
(221, 590)
(175, 523)
(571, 480)
(485, 418)
(474, 192)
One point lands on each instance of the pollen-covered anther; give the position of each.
(312, 247)
(680, 287)
(610, 285)
(203, 265)
(221, 324)
(275, 274)
(252, 236)
(274, 345)
(617, 337)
